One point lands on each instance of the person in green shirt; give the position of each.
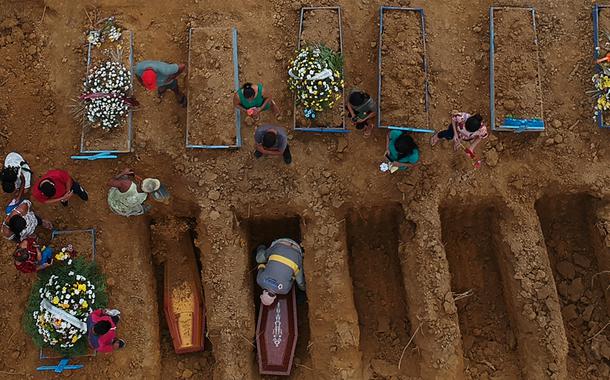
(253, 100)
(401, 149)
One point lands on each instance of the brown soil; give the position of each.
(211, 87)
(42, 69)
(567, 223)
(82, 242)
(264, 231)
(172, 244)
(488, 340)
(321, 26)
(379, 293)
(402, 70)
(96, 138)
(516, 65)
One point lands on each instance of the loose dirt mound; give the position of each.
(516, 65)
(402, 70)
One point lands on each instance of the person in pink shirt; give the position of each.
(101, 330)
(463, 127)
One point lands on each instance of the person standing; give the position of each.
(279, 266)
(463, 127)
(57, 186)
(161, 76)
(101, 330)
(16, 178)
(22, 222)
(125, 197)
(29, 257)
(362, 110)
(253, 100)
(271, 140)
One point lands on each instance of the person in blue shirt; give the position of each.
(401, 149)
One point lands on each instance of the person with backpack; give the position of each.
(401, 150)
(101, 330)
(253, 100)
(16, 178)
(463, 127)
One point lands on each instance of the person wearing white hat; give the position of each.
(124, 196)
(278, 267)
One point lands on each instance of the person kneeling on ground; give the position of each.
(29, 257)
(124, 196)
(101, 327)
(22, 222)
(161, 76)
(272, 141)
(57, 186)
(463, 127)
(16, 178)
(278, 267)
(254, 100)
(401, 149)
(362, 110)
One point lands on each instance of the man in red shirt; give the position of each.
(57, 186)
(101, 327)
(29, 258)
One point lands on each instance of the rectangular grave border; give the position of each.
(382, 10)
(294, 109)
(54, 234)
(597, 8)
(83, 149)
(513, 124)
(238, 140)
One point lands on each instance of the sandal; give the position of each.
(434, 139)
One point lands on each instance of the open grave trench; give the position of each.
(574, 228)
(498, 336)
(175, 237)
(484, 307)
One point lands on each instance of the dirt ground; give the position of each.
(510, 231)
(402, 70)
(516, 65)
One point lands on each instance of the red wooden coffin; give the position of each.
(183, 299)
(276, 335)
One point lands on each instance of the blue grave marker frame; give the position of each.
(422, 15)
(510, 124)
(83, 149)
(54, 234)
(238, 139)
(343, 129)
(597, 8)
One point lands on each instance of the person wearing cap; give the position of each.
(161, 76)
(278, 267)
(125, 197)
(101, 330)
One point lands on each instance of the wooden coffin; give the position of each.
(276, 335)
(183, 299)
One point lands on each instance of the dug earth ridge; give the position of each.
(330, 177)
